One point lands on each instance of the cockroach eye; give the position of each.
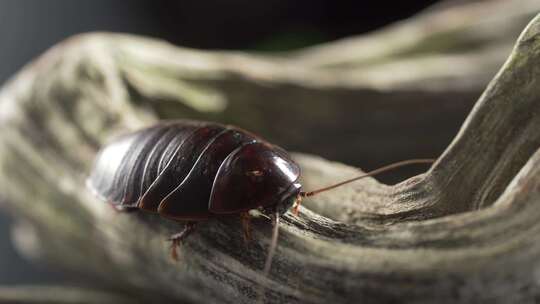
(255, 173)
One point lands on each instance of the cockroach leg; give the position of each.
(245, 218)
(296, 205)
(177, 239)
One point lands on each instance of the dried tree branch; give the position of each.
(58, 295)
(466, 231)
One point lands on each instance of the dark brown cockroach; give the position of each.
(194, 171)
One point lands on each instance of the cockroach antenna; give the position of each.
(389, 167)
(273, 243)
(275, 216)
(270, 256)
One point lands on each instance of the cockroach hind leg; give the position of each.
(245, 218)
(177, 239)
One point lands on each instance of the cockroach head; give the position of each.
(285, 202)
(254, 175)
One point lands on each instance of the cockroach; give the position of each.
(193, 171)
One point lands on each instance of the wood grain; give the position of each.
(465, 231)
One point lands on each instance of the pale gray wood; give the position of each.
(466, 231)
(59, 295)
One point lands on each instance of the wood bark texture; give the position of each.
(465, 231)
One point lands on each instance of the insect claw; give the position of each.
(177, 239)
(246, 226)
(174, 250)
(297, 203)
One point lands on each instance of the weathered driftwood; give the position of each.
(59, 295)
(466, 231)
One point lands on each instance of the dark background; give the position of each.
(29, 27)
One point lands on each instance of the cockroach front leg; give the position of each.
(296, 205)
(245, 218)
(177, 239)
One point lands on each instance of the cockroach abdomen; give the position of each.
(191, 197)
(179, 165)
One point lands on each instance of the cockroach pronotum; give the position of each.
(194, 171)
